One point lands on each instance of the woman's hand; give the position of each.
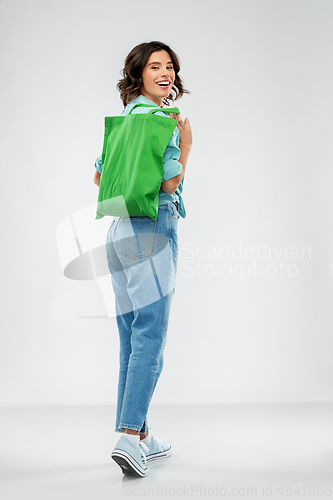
(185, 131)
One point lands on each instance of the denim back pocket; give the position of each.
(135, 237)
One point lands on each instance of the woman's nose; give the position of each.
(166, 73)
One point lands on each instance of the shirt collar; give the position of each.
(144, 100)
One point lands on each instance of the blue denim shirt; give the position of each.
(171, 166)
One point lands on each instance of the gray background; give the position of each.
(259, 175)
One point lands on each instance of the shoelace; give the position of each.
(143, 449)
(159, 440)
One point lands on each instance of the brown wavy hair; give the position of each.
(130, 86)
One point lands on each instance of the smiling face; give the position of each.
(158, 77)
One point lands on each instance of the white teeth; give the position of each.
(164, 84)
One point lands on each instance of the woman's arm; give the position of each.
(185, 144)
(98, 167)
(97, 177)
(172, 184)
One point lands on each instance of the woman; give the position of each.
(142, 258)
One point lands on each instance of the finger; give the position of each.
(176, 117)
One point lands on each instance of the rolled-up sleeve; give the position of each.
(98, 164)
(171, 166)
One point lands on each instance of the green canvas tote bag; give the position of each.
(132, 163)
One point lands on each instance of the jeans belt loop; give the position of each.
(176, 204)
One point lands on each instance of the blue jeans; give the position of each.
(142, 257)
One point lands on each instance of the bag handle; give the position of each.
(164, 110)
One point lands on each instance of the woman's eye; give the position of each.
(156, 67)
